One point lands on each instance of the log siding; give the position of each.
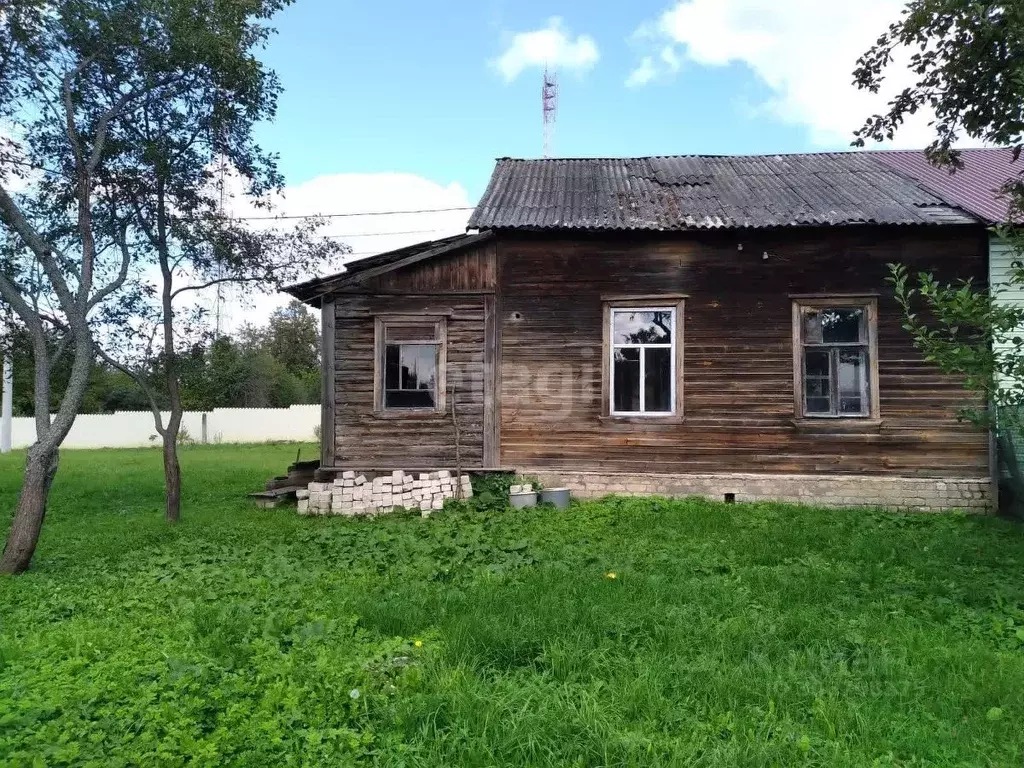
(738, 355)
(526, 314)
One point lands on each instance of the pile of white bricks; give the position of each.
(352, 494)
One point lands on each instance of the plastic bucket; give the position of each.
(523, 500)
(557, 496)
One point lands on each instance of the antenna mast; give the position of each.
(549, 107)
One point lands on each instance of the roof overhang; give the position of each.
(312, 292)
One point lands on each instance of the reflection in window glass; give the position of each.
(627, 380)
(853, 382)
(410, 375)
(643, 354)
(658, 379)
(653, 327)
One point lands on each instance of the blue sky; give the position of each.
(404, 104)
(413, 86)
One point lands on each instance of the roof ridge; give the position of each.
(810, 153)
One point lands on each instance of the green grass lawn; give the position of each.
(731, 636)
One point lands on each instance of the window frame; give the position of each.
(675, 305)
(440, 340)
(801, 306)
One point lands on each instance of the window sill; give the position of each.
(837, 425)
(672, 418)
(411, 413)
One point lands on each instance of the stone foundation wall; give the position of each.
(899, 493)
(363, 494)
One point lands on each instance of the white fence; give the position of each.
(128, 429)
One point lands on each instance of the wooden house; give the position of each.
(717, 326)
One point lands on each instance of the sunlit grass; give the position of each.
(729, 636)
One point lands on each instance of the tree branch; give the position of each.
(140, 380)
(122, 274)
(218, 281)
(11, 213)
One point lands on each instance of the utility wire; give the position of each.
(385, 234)
(345, 215)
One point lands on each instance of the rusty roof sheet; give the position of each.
(700, 192)
(974, 188)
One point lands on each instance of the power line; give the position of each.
(345, 215)
(384, 234)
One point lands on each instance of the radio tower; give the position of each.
(549, 106)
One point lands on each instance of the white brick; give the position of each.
(424, 477)
(444, 474)
(348, 474)
(397, 476)
(437, 504)
(361, 479)
(425, 504)
(302, 494)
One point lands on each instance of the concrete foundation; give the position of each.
(971, 494)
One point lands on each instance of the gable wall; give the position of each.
(459, 287)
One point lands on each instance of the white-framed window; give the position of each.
(642, 364)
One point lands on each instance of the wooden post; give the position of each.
(328, 396)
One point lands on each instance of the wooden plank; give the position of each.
(491, 418)
(328, 395)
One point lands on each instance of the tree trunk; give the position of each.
(172, 469)
(40, 468)
(172, 474)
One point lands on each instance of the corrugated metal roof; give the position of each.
(975, 187)
(697, 192)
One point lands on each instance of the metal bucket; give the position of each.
(557, 496)
(523, 500)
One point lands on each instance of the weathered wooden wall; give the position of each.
(458, 286)
(467, 271)
(738, 362)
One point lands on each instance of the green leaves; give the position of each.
(731, 635)
(970, 332)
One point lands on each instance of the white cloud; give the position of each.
(367, 235)
(643, 74)
(668, 61)
(804, 51)
(552, 46)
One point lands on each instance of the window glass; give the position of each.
(817, 384)
(841, 326)
(853, 382)
(654, 327)
(398, 398)
(410, 369)
(626, 380)
(835, 361)
(658, 379)
(643, 354)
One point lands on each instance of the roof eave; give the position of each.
(312, 292)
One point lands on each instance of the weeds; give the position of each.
(731, 635)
